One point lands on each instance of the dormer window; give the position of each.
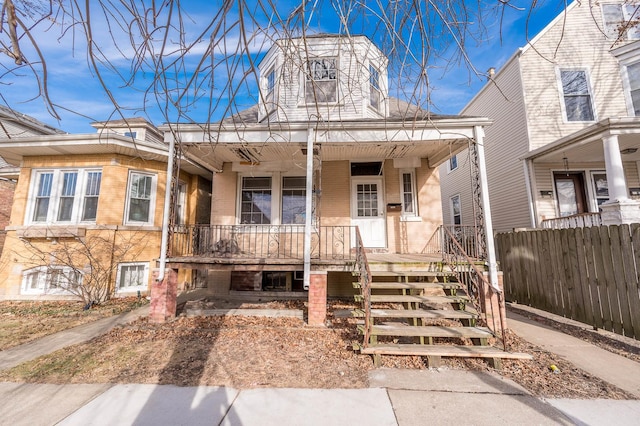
(374, 87)
(322, 81)
(131, 134)
(271, 86)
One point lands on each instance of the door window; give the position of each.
(367, 199)
(570, 193)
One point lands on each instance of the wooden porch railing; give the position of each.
(442, 241)
(583, 220)
(261, 241)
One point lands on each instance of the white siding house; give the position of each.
(564, 133)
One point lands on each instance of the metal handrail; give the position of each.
(455, 255)
(362, 265)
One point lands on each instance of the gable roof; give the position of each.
(30, 124)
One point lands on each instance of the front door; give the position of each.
(367, 210)
(570, 193)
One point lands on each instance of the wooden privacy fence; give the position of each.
(590, 274)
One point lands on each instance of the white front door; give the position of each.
(367, 210)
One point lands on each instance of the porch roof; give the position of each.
(435, 139)
(586, 145)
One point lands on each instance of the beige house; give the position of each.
(325, 151)
(89, 208)
(563, 149)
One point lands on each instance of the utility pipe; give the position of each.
(167, 205)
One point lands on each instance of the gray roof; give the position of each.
(36, 126)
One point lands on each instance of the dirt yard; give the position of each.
(21, 321)
(249, 352)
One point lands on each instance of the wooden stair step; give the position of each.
(443, 351)
(409, 286)
(395, 298)
(412, 273)
(417, 313)
(404, 330)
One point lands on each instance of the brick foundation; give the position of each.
(163, 296)
(317, 299)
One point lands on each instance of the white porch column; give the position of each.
(486, 208)
(308, 209)
(615, 172)
(619, 209)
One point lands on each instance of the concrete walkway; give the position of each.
(11, 357)
(615, 369)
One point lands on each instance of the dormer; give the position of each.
(325, 77)
(135, 128)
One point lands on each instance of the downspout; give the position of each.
(167, 205)
(308, 209)
(488, 224)
(530, 195)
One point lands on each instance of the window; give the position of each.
(408, 193)
(322, 81)
(600, 187)
(255, 204)
(577, 97)
(65, 196)
(180, 209)
(374, 87)
(132, 277)
(453, 163)
(294, 191)
(51, 280)
(140, 198)
(131, 134)
(271, 85)
(456, 211)
(621, 21)
(633, 77)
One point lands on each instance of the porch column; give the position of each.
(164, 293)
(619, 209)
(308, 210)
(317, 313)
(486, 208)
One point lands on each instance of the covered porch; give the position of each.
(588, 178)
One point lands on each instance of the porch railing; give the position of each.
(364, 278)
(454, 243)
(582, 220)
(261, 241)
(448, 237)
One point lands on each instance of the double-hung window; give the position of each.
(273, 200)
(374, 87)
(141, 195)
(322, 81)
(65, 196)
(255, 204)
(132, 277)
(621, 20)
(633, 78)
(408, 193)
(456, 210)
(576, 94)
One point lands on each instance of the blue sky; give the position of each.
(79, 98)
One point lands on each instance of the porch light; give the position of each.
(565, 162)
(629, 151)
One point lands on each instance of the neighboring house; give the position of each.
(563, 147)
(325, 150)
(89, 204)
(14, 125)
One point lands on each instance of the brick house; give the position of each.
(99, 194)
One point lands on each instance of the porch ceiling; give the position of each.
(436, 142)
(586, 145)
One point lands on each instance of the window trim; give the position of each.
(452, 210)
(449, 163)
(307, 79)
(626, 85)
(40, 270)
(414, 195)
(277, 179)
(132, 289)
(55, 195)
(563, 107)
(152, 198)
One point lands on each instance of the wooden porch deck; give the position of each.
(380, 262)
